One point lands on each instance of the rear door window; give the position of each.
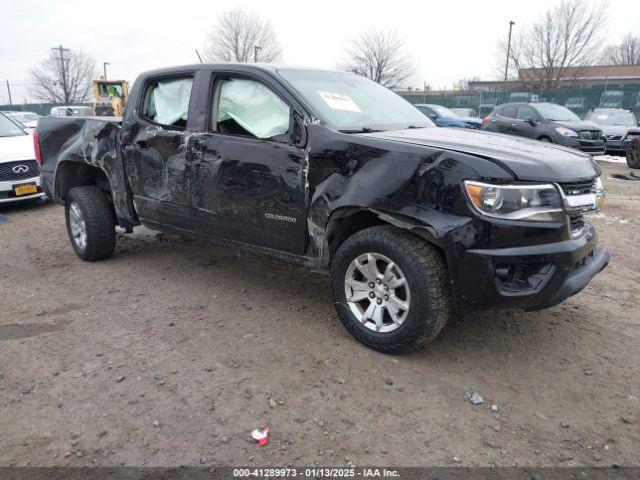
(167, 101)
(509, 111)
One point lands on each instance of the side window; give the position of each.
(249, 108)
(525, 112)
(167, 101)
(509, 111)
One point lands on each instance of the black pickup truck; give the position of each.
(331, 170)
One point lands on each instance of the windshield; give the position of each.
(612, 118)
(351, 102)
(24, 117)
(465, 112)
(551, 111)
(106, 89)
(8, 128)
(442, 112)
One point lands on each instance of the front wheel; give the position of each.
(391, 289)
(90, 223)
(633, 153)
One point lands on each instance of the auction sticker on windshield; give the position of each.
(339, 101)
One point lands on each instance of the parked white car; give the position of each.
(29, 120)
(72, 111)
(19, 172)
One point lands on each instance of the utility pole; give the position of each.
(104, 69)
(9, 92)
(256, 49)
(506, 68)
(63, 71)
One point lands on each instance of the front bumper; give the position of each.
(531, 277)
(619, 145)
(592, 147)
(579, 277)
(7, 194)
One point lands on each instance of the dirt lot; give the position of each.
(172, 352)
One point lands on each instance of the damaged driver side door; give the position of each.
(249, 173)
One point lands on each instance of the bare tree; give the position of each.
(240, 35)
(381, 56)
(463, 83)
(625, 53)
(64, 77)
(553, 50)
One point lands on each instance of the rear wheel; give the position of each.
(391, 289)
(633, 153)
(90, 223)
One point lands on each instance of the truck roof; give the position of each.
(267, 67)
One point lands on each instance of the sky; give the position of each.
(448, 40)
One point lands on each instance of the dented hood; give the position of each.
(525, 159)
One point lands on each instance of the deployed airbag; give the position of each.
(170, 99)
(254, 107)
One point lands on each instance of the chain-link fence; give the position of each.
(39, 108)
(580, 100)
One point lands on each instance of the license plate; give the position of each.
(25, 189)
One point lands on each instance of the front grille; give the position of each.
(20, 170)
(578, 188)
(590, 134)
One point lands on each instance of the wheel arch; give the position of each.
(346, 221)
(70, 174)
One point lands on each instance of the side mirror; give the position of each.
(532, 122)
(433, 116)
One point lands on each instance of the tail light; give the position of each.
(485, 120)
(36, 147)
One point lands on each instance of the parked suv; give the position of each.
(547, 122)
(333, 171)
(618, 126)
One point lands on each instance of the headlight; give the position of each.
(566, 132)
(532, 203)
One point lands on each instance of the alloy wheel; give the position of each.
(377, 292)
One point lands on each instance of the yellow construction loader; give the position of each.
(110, 97)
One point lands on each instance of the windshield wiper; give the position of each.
(359, 130)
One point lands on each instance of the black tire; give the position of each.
(426, 275)
(633, 153)
(545, 139)
(99, 223)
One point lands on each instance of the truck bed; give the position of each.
(69, 142)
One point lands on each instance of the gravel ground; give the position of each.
(171, 352)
